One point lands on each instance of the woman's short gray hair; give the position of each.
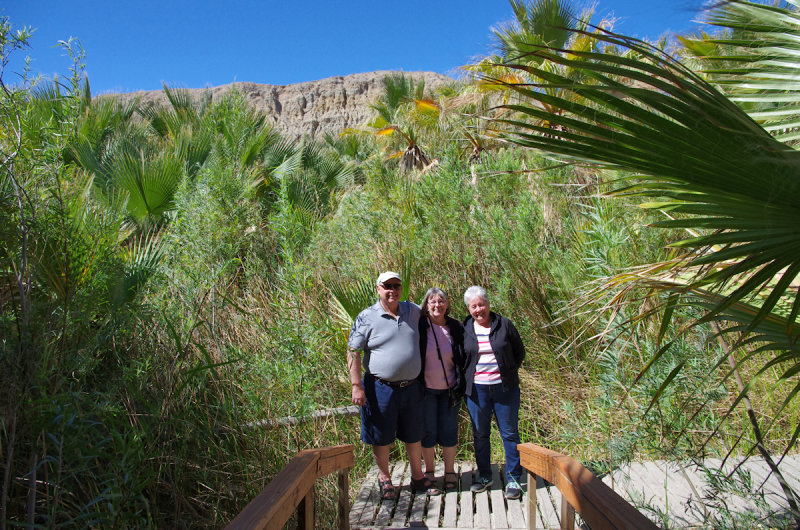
(434, 291)
(474, 291)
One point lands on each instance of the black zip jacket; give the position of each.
(506, 345)
(457, 337)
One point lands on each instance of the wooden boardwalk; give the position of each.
(457, 509)
(684, 496)
(667, 494)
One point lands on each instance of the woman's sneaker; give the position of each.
(482, 484)
(513, 489)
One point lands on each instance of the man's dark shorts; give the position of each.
(391, 413)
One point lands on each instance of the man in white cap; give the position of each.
(389, 393)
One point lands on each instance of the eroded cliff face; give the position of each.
(312, 108)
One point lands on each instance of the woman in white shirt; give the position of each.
(494, 352)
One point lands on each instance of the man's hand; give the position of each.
(359, 396)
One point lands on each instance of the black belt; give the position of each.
(394, 384)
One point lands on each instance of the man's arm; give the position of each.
(354, 367)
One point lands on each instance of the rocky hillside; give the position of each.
(312, 108)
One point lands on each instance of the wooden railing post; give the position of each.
(531, 501)
(305, 511)
(344, 498)
(567, 515)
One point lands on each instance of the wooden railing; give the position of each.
(581, 491)
(292, 490)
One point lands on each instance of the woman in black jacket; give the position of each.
(441, 341)
(494, 353)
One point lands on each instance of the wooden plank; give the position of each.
(545, 505)
(387, 508)
(450, 500)
(762, 479)
(516, 508)
(433, 513)
(679, 491)
(497, 500)
(672, 491)
(793, 471)
(694, 481)
(276, 502)
(400, 517)
(465, 514)
(416, 516)
(332, 459)
(682, 493)
(468, 509)
(652, 488)
(367, 501)
(790, 467)
(636, 488)
(792, 463)
(481, 518)
(732, 500)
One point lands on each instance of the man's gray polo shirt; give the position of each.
(391, 347)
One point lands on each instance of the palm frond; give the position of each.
(142, 257)
(151, 185)
(756, 62)
(716, 168)
(350, 297)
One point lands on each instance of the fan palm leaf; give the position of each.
(535, 23)
(142, 258)
(348, 299)
(716, 169)
(760, 62)
(151, 184)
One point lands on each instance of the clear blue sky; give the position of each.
(138, 44)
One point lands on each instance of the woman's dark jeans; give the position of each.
(485, 400)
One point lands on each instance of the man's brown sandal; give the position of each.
(450, 485)
(387, 489)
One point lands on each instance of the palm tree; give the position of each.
(537, 24)
(699, 150)
(402, 110)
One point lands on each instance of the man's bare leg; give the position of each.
(381, 453)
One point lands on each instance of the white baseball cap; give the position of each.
(388, 275)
